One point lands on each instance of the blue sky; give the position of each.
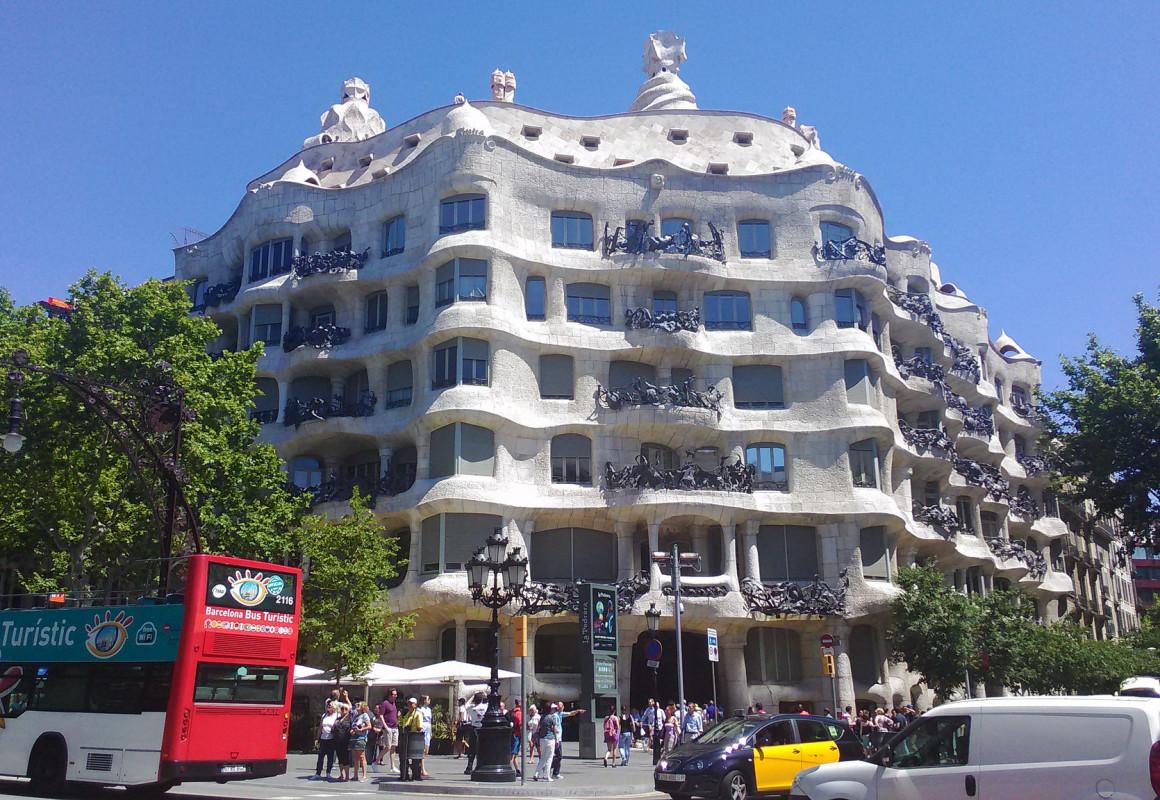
(1019, 140)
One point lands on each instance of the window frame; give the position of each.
(458, 461)
(413, 293)
(394, 235)
(802, 325)
(754, 459)
(400, 396)
(576, 304)
(541, 282)
(557, 358)
(455, 289)
(721, 324)
(379, 311)
(828, 227)
(875, 462)
(462, 205)
(578, 467)
(266, 332)
(780, 641)
(745, 224)
(271, 258)
(760, 404)
(566, 219)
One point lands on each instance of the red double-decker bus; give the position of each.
(154, 694)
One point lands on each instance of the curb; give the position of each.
(529, 789)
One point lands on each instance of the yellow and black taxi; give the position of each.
(755, 755)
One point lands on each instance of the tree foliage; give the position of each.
(1106, 428)
(348, 564)
(942, 634)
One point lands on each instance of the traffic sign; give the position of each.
(828, 664)
(711, 635)
(652, 653)
(827, 641)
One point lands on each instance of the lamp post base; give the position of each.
(493, 760)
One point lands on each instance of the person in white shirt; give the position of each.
(532, 725)
(475, 711)
(326, 739)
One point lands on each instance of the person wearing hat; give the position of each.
(410, 724)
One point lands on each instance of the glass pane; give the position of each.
(833, 232)
(872, 543)
(534, 298)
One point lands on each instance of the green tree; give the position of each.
(933, 629)
(1106, 428)
(348, 563)
(1003, 623)
(74, 514)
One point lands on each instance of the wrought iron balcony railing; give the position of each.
(1033, 465)
(643, 393)
(320, 337)
(683, 242)
(916, 366)
(331, 263)
(937, 516)
(796, 598)
(734, 477)
(979, 421)
(265, 416)
(932, 440)
(1007, 549)
(987, 476)
(222, 293)
(320, 408)
(1025, 409)
(1024, 504)
(667, 321)
(852, 249)
(335, 488)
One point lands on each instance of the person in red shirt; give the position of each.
(517, 719)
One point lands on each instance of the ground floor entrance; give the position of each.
(661, 683)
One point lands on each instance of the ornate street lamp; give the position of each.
(145, 421)
(675, 561)
(496, 578)
(652, 618)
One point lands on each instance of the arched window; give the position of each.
(572, 554)
(865, 662)
(306, 472)
(753, 238)
(572, 459)
(462, 449)
(448, 540)
(768, 462)
(787, 553)
(447, 644)
(463, 212)
(916, 284)
(799, 319)
(589, 304)
(773, 655)
(558, 648)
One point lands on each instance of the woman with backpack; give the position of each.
(611, 735)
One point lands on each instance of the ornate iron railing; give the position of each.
(1033, 465)
(937, 516)
(1023, 504)
(683, 242)
(979, 421)
(643, 393)
(222, 293)
(667, 321)
(320, 408)
(590, 319)
(564, 598)
(320, 337)
(791, 598)
(735, 477)
(966, 364)
(335, 261)
(697, 590)
(265, 416)
(852, 249)
(934, 440)
(916, 366)
(987, 476)
(1025, 409)
(1007, 549)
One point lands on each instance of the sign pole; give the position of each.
(714, 655)
(523, 720)
(675, 567)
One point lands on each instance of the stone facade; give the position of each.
(876, 453)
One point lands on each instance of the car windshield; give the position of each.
(730, 731)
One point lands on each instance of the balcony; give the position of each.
(643, 393)
(1032, 465)
(1005, 549)
(332, 263)
(684, 242)
(966, 364)
(932, 440)
(222, 293)
(1024, 409)
(852, 249)
(979, 421)
(341, 489)
(320, 337)
(265, 417)
(917, 367)
(735, 477)
(320, 408)
(794, 598)
(1024, 505)
(987, 476)
(937, 516)
(641, 318)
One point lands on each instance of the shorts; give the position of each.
(516, 742)
(358, 744)
(390, 737)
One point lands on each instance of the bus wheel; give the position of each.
(47, 765)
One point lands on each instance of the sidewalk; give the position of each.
(587, 778)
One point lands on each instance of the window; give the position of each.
(1018, 394)
(572, 230)
(402, 541)
(927, 419)
(990, 521)
(865, 663)
(753, 238)
(621, 374)
(588, 303)
(448, 540)
(850, 309)
(268, 324)
(864, 463)
(664, 302)
(769, 462)
(931, 496)
(558, 648)
(412, 305)
(270, 259)
(462, 449)
(463, 213)
(963, 509)
(659, 456)
(875, 555)
(394, 236)
(1020, 446)
(772, 655)
(196, 292)
(859, 382)
(672, 226)
(461, 279)
(478, 643)
(679, 375)
(778, 734)
(568, 555)
(446, 369)
(113, 688)
(265, 400)
(999, 390)
(400, 383)
(556, 377)
(787, 553)
(727, 311)
(798, 318)
(634, 232)
(572, 459)
(240, 683)
(376, 319)
(323, 315)
(924, 354)
(934, 742)
(834, 232)
(757, 386)
(535, 305)
(306, 472)
(447, 644)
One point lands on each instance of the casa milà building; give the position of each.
(608, 335)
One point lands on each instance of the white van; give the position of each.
(1030, 748)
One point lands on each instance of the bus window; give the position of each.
(240, 683)
(60, 687)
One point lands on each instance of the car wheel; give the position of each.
(734, 787)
